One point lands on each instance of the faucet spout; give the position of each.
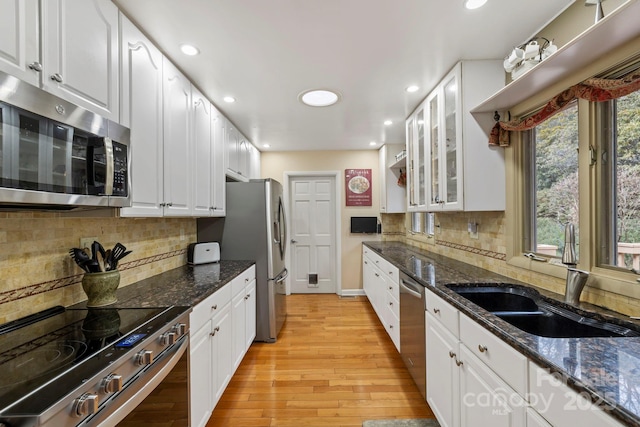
(576, 279)
(569, 256)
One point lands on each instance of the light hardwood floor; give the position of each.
(333, 365)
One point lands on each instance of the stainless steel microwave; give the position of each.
(56, 154)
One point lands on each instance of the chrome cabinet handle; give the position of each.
(214, 307)
(436, 310)
(482, 348)
(377, 275)
(459, 362)
(452, 354)
(36, 66)
(57, 77)
(216, 329)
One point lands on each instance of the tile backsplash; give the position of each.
(488, 251)
(37, 271)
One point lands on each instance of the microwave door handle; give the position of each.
(108, 180)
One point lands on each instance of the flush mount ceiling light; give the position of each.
(266, 145)
(474, 4)
(319, 97)
(372, 143)
(229, 99)
(412, 88)
(190, 50)
(388, 122)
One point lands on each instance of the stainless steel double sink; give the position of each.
(530, 312)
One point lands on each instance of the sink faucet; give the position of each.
(576, 279)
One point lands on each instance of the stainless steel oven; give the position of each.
(55, 153)
(87, 367)
(413, 330)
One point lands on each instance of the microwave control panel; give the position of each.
(120, 172)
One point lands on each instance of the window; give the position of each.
(552, 182)
(416, 222)
(619, 190)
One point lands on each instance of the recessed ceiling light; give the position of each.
(388, 122)
(266, 145)
(319, 98)
(229, 99)
(474, 4)
(190, 50)
(372, 143)
(412, 88)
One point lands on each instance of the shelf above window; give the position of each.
(614, 30)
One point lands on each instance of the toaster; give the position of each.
(203, 253)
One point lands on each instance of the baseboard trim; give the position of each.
(352, 293)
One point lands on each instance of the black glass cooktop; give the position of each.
(64, 346)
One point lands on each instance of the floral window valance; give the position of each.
(593, 89)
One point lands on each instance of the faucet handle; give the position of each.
(569, 252)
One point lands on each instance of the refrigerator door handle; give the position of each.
(276, 232)
(282, 276)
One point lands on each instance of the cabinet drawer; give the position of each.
(393, 289)
(211, 306)
(444, 312)
(242, 280)
(392, 304)
(505, 361)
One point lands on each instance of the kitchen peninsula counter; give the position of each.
(607, 370)
(183, 286)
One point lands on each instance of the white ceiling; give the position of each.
(266, 52)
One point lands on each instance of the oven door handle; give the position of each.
(130, 397)
(411, 288)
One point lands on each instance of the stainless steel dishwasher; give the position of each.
(412, 330)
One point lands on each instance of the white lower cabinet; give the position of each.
(462, 389)
(216, 330)
(380, 284)
(486, 400)
(443, 384)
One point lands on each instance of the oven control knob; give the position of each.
(145, 357)
(86, 404)
(168, 338)
(180, 329)
(112, 383)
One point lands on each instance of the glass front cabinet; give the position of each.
(452, 167)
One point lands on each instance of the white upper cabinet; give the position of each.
(243, 163)
(201, 144)
(68, 48)
(19, 46)
(80, 53)
(392, 194)
(141, 111)
(176, 91)
(218, 129)
(450, 165)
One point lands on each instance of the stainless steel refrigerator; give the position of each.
(255, 229)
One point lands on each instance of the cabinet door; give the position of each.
(443, 376)
(221, 356)
(416, 168)
(451, 143)
(409, 134)
(201, 160)
(433, 140)
(176, 92)
(19, 46)
(218, 130)
(141, 111)
(382, 165)
(232, 148)
(244, 157)
(238, 319)
(535, 420)
(254, 171)
(201, 376)
(250, 312)
(486, 400)
(80, 53)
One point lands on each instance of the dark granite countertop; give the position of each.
(605, 369)
(183, 286)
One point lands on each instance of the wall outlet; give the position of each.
(85, 242)
(472, 227)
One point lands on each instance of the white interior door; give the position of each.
(313, 234)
